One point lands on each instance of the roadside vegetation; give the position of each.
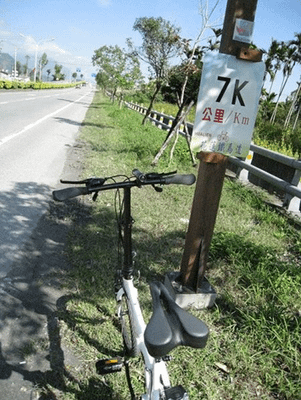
(36, 85)
(254, 350)
(278, 124)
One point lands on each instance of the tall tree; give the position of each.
(117, 68)
(43, 62)
(58, 76)
(19, 68)
(26, 69)
(160, 43)
(287, 53)
(273, 61)
(294, 104)
(191, 67)
(296, 44)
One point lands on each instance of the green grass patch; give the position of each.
(253, 351)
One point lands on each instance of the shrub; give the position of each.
(277, 138)
(35, 85)
(7, 84)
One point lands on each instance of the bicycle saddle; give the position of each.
(171, 326)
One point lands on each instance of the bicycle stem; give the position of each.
(127, 269)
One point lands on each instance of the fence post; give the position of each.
(211, 172)
(293, 203)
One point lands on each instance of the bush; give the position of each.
(35, 85)
(7, 84)
(277, 138)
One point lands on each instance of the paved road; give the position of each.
(37, 134)
(36, 129)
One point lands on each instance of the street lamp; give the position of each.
(36, 54)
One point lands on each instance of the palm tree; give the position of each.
(273, 61)
(293, 106)
(287, 55)
(296, 44)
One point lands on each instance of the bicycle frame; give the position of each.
(136, 334)
(156, 375)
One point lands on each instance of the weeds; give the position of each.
(253, 351)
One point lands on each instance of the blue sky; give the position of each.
(81, 26)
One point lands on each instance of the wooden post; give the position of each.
(212, 167)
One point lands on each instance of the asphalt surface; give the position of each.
(36, 130)
(32, 242)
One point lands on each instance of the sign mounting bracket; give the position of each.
(248, 54)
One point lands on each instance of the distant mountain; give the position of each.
(7, 62)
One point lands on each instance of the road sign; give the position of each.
(227, 105)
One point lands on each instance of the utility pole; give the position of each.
(212, 166)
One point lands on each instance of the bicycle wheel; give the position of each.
(127, 327)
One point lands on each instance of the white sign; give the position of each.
(227, 105)
(243, 30)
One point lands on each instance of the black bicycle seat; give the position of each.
(171, 326)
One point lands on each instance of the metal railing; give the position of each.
(278, 172)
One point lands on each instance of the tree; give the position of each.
(296, 44)
(43, 62)
(74, 75)
(25, 69)
(160, 43)
(289, 54)
(58, 76)
(190, 68)
(25, 66)
(118, 69)
(274, 58)
(295, 106)
(19, 68)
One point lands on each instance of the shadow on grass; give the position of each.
(90, 271)
(85, 123)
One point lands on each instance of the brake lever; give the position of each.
(157, 189)
(155, 175)
(94, 197)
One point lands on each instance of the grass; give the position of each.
(253, 351)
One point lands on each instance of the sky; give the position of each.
(69, 31)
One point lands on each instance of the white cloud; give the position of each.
(104, 3)
(4, 32)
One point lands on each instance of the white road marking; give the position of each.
(33, 97)
(10, 137)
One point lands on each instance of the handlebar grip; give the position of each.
(177, 179)
(68, 193)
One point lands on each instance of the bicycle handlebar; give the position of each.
(69, 193)
(141, 179)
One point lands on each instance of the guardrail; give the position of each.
(265, 168)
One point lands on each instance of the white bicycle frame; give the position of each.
(156, 374)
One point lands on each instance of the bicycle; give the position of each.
(169, 326)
